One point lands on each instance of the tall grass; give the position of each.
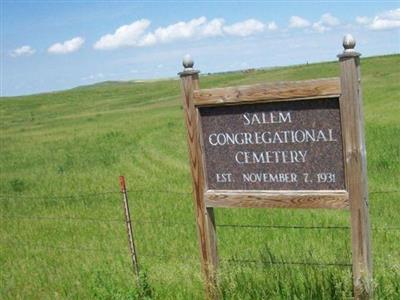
(62, 153)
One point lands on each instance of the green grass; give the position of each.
(59, 149)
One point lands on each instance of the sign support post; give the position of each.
(204, 215)
(356, 166)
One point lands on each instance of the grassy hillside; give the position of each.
(62, 233)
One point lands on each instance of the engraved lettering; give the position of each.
(288, 145)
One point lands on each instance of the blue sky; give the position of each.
(53, 45)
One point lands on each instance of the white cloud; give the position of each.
(126, 35)
(147, 40)
(325, 23)
(69, 46)
(382, 24)
(329, 20)
(319, 27)
(386, 20)
(136, 34)
(23, 51)
(195, 28)
(213, 28)
(272, 26)
(245, 28)
(179, 30)
(298, 22)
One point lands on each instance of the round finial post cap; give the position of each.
(349, 43)
(187, 62)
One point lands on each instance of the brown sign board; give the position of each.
(291, 145)
(271, 145)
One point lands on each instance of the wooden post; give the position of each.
(204, 216)
(356, 168)
(129, 230)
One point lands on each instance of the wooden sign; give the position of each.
(285, 144)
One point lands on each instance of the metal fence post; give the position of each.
(131, 241)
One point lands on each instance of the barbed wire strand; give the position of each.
(282, 226)
(173, 257)
(84, 249)
(13, 196)
(188, 224)
(61, 218)
(384, 192)
(300, 227)
(68, 218)
(166, 191)
(169, 257)
(64, 248)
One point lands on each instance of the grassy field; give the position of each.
(62, 233)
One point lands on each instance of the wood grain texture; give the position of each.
(204, 217)
(278, 199)
(212, 239)
(356, 174)
(276, 91)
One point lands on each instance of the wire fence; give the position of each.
(162, 222)
(59, 218)
(136, 190)
(84, 195)
(38, 246)
(188, 224)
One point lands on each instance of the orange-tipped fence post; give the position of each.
(129, 230)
